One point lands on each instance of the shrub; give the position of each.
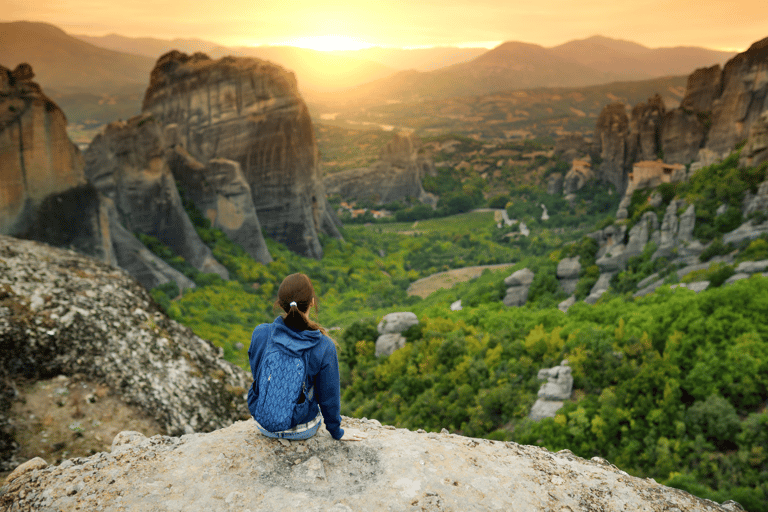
(719, 273)
(453, 203)
(418, 212)
(716, 248)
(608, 221)
(755, 251)
(499, 201)
(715, 419)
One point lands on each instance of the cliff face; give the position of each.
(718, 111)
(396, 176)
(744, 98)
(36, 156)
(249, 111)
(126, 163)
(62, 313)
(611, 141)
(755, 150)
(221, 193)
(236, 468)
(44, 191)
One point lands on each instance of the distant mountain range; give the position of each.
(517, 65)
(64, 64)
(390, 59)
(99, 78)
(632, 61)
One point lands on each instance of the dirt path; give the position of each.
(426, 285)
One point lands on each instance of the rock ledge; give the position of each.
(236, 468)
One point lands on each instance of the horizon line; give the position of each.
(488, 45)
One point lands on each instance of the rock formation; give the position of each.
(126, 163)
(703, 88)
(566, 304)
(249, 111)
(390, 330)
(757, 202)
(518, 285)
(568, 273)
(555, 183)
(553, 392)
(611, 144)
(683, 134)
(719, 109)
(645, 129)
(44, 191)
(396, 176)
(602, 285)
(43, 169)
(62, 313)
(755, 151)
(36, 155)
(579, 175)
(618, 255)
(743, 99)
(572, 146)
(136, 259)
(236, 468)
(220, 193)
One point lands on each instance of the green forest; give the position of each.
(671, 386)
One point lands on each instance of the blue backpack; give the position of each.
(282, 389)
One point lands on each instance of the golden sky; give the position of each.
(717, 24)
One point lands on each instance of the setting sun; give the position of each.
(327, 43)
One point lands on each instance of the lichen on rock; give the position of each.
(62, 313)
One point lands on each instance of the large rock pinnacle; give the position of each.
(249, 111)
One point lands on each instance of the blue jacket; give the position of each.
(321, 362)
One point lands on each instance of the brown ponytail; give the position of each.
(295, 296)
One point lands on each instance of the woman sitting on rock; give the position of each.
(295, 370)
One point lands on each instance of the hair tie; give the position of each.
(293, 303)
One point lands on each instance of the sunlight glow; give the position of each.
(327, 43)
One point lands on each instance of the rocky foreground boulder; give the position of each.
(238, 469)
(63, 314)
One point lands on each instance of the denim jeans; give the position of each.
(303, 431)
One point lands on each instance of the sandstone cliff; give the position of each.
(719, 110)
(249, 111)
(611, 144)
(744, 97)
(396, 176)
(62, 313)
(36, 156)
(44, 191)
(219, 191)
(126, 163)
(755, 151)
(236, 468)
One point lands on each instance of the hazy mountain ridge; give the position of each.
(421, 59)
(95, 86)
(634, 61)
(519, 65)
(66, 64)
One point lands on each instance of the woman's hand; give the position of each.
(351, 434)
